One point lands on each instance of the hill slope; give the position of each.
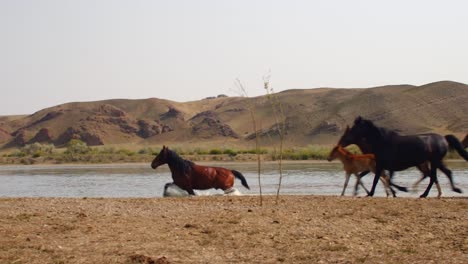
(313, 116)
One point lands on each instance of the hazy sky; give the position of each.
(53, 52)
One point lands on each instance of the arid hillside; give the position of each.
(312, 116)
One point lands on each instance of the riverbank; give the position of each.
(300, 229)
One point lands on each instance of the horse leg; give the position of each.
(346, 183)
(433, 179)
(439, 190)
(386, 182)
(378, 172)
(360, 183)
(389, 180)
(364, 173)
(415, 185)
(448, 172)
(190, 191)
(401, 188)
(424, 168)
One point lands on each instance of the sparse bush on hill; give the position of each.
(76, 146)
(106, 150)
(126, 152)
(309, 153)
(78, 151)
(200, 151)
(216, 152)
(230, 152)
(36, 150)
(147, 151)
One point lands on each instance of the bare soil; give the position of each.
(299, 229)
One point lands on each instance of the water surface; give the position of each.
(139, 180)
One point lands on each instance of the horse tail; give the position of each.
(239, 176)
(454, 143)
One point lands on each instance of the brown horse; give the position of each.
(189, 176)
(355, 164)
(465, 141)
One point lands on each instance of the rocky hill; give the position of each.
(312, 116)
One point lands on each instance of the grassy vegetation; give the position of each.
(78, 152)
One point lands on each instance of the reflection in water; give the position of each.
(139, 180)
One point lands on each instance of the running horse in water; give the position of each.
(394, 152)
(189, 176)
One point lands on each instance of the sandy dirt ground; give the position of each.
(224, 229)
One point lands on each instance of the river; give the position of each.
(139, 180)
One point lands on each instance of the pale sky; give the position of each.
(53, 52)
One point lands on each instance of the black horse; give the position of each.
(367, 149)
(394, 152)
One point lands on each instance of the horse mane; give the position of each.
(379, 131)
(344, 151)
(180, 163)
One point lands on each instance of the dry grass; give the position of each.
(301, 229)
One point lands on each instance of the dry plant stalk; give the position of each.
(251, 107)
(278, 113)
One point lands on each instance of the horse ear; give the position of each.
(358, 120)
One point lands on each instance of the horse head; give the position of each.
(161, 158)
(333, 153)
(358, 133)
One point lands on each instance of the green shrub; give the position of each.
(254, 151)
(200, 151)
(146, 151)
(215, 152)
(106, 150)
(125, 152)
(36, 150)
(76, 146)
(311, 152)
(230, 152)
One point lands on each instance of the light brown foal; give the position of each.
(355, 164)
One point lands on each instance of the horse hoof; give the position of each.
(423, 196)
(457, 190)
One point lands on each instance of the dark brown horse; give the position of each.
(189, 176)
(465, 141)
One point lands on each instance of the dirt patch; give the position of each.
(299, 229)
(138, 258)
